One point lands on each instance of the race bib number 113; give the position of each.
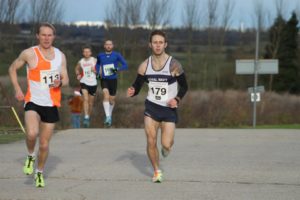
(47, 78)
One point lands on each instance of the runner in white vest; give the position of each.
(85, 73)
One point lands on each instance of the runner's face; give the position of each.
(86, 53)
(45, 37)
(108, 46)
(158, 44)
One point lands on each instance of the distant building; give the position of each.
(88, 23)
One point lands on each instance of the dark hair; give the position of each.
(86, 47)
(157, 32)
(45, 24)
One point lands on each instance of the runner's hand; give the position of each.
(78, 77)
(130, 92)
(57, 83)
(173, 103)
(98, 77)
(19, 95)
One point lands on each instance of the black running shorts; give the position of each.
(160, 113)
(47, 114)
(91, 89)
(111, 85)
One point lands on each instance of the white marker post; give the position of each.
(267, 66)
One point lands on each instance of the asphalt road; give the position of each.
(212, 164)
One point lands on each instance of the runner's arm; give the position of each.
(123, 63)
(179, 74)
(77, 71)
(17, 64)
(98, 65)
(139, 81)
(64, 78)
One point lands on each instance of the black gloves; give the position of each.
(114, 70)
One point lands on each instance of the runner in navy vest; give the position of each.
(167, 86)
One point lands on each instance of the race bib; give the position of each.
(107, 69)
(87, 71)
(47, 78)
(158, 91)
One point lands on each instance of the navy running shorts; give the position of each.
(160, 113)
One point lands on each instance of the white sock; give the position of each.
(106, 108)
(38, 170)
(111, 108)
(32, 154)
(86, 117)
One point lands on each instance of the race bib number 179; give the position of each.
(158, 90)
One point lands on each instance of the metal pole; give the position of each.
(256, 74)
(18, 119)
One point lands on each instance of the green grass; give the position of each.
(279, 126)
(11, 137)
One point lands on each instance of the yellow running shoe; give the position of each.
(157, 177)
(28, 166)
(39, 180)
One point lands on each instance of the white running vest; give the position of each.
(88, 76)
(41, 78)
(162, 85)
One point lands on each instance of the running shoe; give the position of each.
(105, 121)
(108, 121)
(157, 177)
(86, 122)
(164, 152)
(39, 180)
(28, 166)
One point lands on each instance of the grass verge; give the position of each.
(278, 126)
(11, 137)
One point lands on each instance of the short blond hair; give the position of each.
(45, 24)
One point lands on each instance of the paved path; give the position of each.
(212, 164)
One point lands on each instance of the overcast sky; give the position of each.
(94, 10)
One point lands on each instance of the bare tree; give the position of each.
(115, 13)
(46, 11)
(158, 13)
(3, 9)
(8, 10)
(227, 14)
(190, 18)
(226, 18)
(280, 7)
(212, 6)
(259, 14)
(134, 11)
(298, 10)
(191, 14)
(12, 6)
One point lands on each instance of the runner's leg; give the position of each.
(45, 136)
(85, 96)
(167, 136)
(151, 128)
(32, 120)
